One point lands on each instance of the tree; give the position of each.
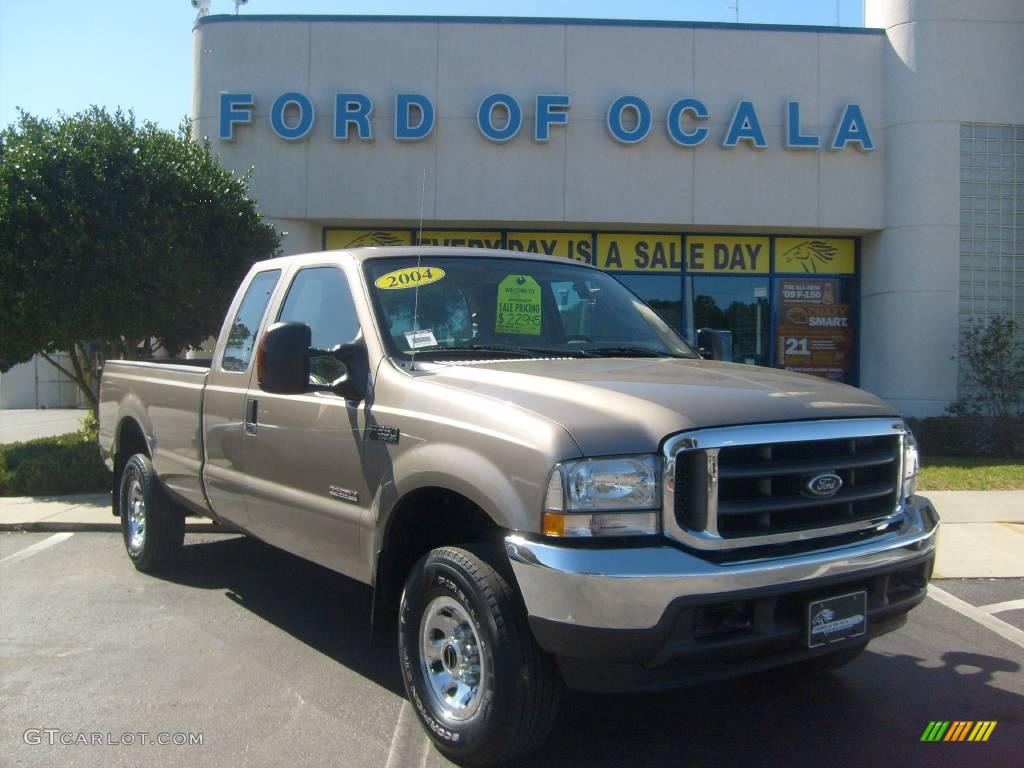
(993, 377)
(113, 235)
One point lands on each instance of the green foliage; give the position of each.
(944, 473)
(982, 436)
(90, 427)
(994, 373)
(52, 466)
(112, 233)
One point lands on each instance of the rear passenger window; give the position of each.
(320, 298)
(242, 335)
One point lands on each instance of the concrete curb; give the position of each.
(60, 527)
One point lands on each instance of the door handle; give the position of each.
(251, 410)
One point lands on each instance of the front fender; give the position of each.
(512, 499)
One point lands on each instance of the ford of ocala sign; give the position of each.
(500, 119)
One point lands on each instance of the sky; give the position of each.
(65, 55)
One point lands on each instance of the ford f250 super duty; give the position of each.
(542, 483)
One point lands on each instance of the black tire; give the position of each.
(835, 660)
(156, 544)
(519, 687)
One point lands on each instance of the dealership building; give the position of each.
(842, 200)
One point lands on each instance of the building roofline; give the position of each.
(520, 20)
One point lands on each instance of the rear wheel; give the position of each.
(474, 675)
(152, 526)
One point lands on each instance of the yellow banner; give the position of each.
(571, 245)
(460, 239)
(639, 253)
(358, 238)
(814, 255)
(733, 255)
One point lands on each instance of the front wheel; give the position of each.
(474, 675)
(152, 527)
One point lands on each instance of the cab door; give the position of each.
(224, 476)
(306, 491)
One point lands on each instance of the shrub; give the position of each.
(51, 466)
(999, 437)
(993, 374)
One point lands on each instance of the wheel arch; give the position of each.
(129, 439)
(423, 519)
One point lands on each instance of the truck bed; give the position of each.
(165, 397)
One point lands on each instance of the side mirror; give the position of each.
(711, 344)
(282, 362)
(351, 386)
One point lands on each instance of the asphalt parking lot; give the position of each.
(267, 657)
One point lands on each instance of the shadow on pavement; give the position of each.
(323, 609)
(870, 713)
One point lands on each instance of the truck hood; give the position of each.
(617, 405)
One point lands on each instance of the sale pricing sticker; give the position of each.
(519, 303)
(410, 277)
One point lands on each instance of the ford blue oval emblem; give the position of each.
(827, 484)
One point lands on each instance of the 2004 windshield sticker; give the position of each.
(410, 277)
(518, 306)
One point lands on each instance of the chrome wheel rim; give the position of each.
(452, 658)
(135, 516)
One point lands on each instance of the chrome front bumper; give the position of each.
(631, 588)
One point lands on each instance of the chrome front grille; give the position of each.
(754, 485)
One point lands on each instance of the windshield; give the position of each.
(480, 307)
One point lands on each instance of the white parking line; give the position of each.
(987, 620)
(1008, 605)
(36, 548)
(409, 744)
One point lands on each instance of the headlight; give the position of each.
(911, 464)
(604, 497)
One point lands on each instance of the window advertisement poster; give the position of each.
(813, 329)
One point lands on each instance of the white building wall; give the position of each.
(37, 384)
(582, 176)
(945, 62)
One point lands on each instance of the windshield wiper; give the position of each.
(472, 349)
(627, 352)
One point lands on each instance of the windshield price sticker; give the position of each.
(518, 306)
(410, 277)
(420, 339)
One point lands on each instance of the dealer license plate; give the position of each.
(837, 618)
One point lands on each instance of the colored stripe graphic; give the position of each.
(982, 730)
(935, 730)
(958, 731)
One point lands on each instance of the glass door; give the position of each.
(738, 305)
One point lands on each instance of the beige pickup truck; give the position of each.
(542, 483)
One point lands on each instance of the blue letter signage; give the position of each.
(629, 120)
(485, 117)
(405, 130)
(234, 108)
